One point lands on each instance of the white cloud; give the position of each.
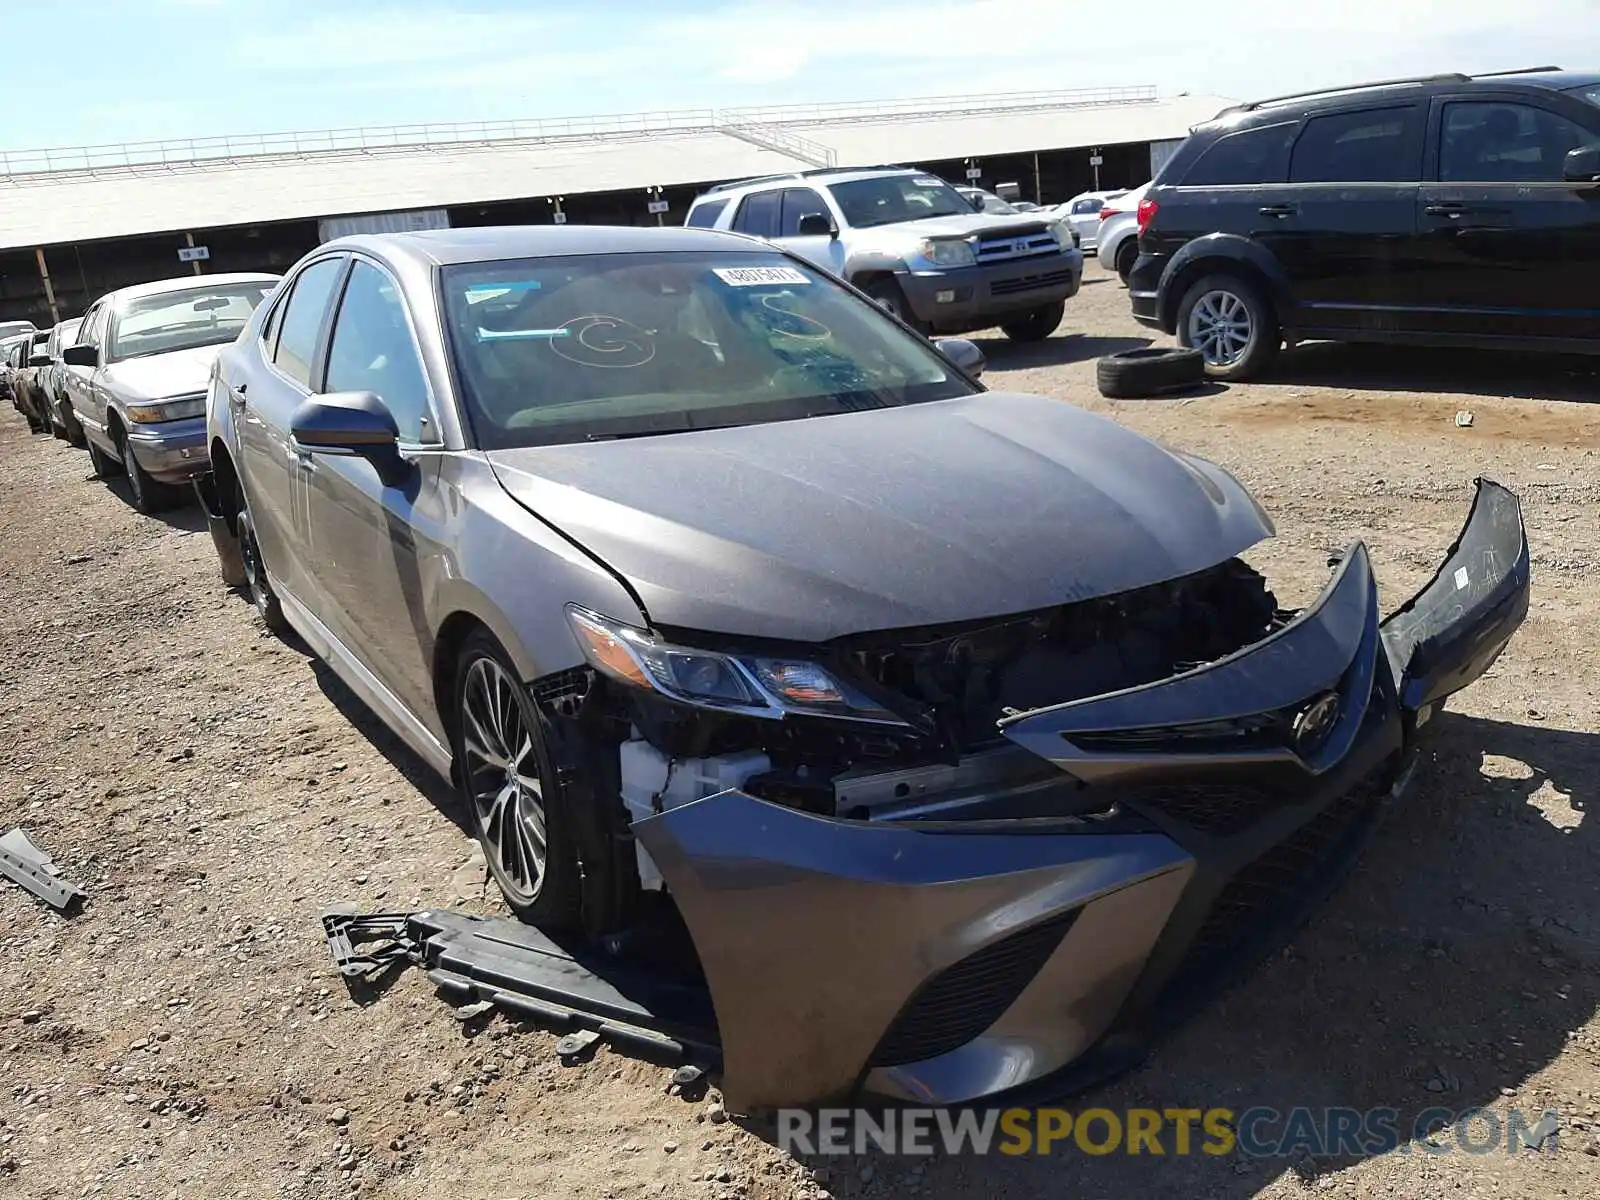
(394, 38)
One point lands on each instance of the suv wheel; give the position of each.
(887, 295)
(504, 773)
(1226, 318)
(1037, 325)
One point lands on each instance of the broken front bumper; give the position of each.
(946, 960)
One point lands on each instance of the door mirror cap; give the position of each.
(81, 356)
(39, 360)
(963, 354)
(354, 425)
(1582, 165)
(817, 225)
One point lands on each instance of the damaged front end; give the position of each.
(943, 864)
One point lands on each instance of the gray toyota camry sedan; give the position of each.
(951, 722)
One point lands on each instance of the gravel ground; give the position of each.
(214, 790)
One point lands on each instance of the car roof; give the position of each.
(1283, 108)
(489, 243)
(188, 283)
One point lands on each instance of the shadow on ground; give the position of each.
(1431, 371)
(1455, 963)
(1006, 355)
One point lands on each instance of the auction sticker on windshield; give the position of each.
(755, 276)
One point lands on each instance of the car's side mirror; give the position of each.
(81, 356)
(39, 360)
(817, 225)
(351, 425)
(1582, 165)
(963, 354)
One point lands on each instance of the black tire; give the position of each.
(887, 294)
(256, 584)
(69, 421)
(1228, 319)
(1127, 255)
(1037, 325)
(513, 805)
(149, 495)
(1134, 374)
(102, 464)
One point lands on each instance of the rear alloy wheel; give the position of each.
(504, 773)
(257, 586)
(1037, 325)
(1127, 255)
(1227, 320)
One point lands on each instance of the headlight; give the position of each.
(1064, 235)
(754, 685)
(173, 409)
(946, 252)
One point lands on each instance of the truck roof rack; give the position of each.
(811, 174)
(1447, 77)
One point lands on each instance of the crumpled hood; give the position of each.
(959, 509)
(177, 373)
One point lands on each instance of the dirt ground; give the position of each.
(214, 791)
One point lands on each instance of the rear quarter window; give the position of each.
(1249, 156)
(704, 216)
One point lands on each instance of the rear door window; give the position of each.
(758, 215)
(1499, 142)
(302, 319)
(1371, 146)
(1250, 156)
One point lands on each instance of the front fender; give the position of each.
(1217, 251)
(867, 261)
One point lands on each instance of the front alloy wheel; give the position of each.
(1220, 328)
(500, 769)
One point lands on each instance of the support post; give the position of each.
(49, 288)
(1038, 188)
(189, 237)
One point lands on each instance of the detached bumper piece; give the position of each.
(30, 867)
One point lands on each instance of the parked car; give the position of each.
(136, 380)
(11, 351)
(690, 568)
(1082, 214)
(986, 202)
(49, 382)
(1446, 210)
(25, 382)
(912, 243)
(1117, 240)
(11, 329)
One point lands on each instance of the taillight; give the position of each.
(1108, 212)
(1147, 213)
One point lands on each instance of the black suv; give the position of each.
(1445, 210)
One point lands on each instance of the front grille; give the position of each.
(1016, 245)
(1220, 810)
(1028, 283)
(963, 1000)
(1280, 880)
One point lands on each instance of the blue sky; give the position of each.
(145, 69)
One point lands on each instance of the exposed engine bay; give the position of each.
(951, 685)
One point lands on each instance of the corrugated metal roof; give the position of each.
(61, 207)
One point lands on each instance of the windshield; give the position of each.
(1587, 91)
(558, 350)
(9, 329)
(199, 316)
(893, 198)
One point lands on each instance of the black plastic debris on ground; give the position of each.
(30, 867)
(522, 972)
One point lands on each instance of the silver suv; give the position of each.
(911, 242)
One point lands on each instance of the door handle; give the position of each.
(1450, 209)
(303, 459)
(1278, 210)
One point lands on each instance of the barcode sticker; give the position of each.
(756, 276)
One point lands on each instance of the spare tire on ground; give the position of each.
(1134, 374)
